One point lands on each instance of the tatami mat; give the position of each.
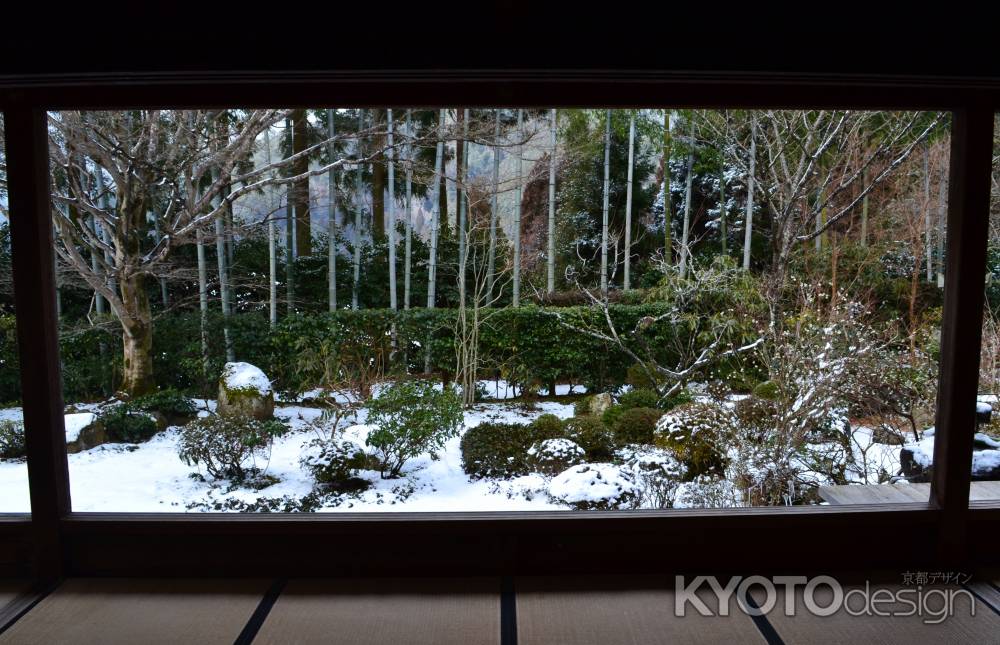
(377, 611)
(139, 612)
(842, 627)
(11, 589)
(612, 611)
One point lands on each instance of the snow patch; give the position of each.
(244, 376)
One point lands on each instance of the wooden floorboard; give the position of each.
(375, 611)
(608, 611)
(842, 627)
(139, 612)
(899, 493)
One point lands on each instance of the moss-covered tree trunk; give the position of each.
(137, 337)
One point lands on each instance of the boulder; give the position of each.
(599, 403)
(83, 432)
(244, 390)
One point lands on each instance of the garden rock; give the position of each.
(915, 459)
(599, 403)
(244, 390)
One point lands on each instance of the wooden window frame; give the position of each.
(53, 541)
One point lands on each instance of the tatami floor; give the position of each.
(440, 612)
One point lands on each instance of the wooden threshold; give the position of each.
(900, 493)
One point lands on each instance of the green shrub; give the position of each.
(547, 426)
(638, 377)
(696, 434)
(226, 446)
(496, 450)
(582, 406)
(639, 398)
(11, 439)
(611, 415)
(636, 425)
(170, 403)
(592, 435)
(678, 398)
(553, 456)
(334, 463)
(767, 390)
(125, 424)
(756, 417)
(411, 418)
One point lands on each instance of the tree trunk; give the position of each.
(408, 252)
(462, 170)
(289, 233)
(686, 229)
(748, 227)
(604, 209)
(378, 184)
(220, 253)
(331, 224)
(942, 214)
(627, 278)
(723, 234)
(491, 259)
(272, 251)
(300, 190)
(391, 225)
(137, 337)
(864, 211)
(928, 229)
(668, 248)
(203, 300)
(516, 295)
(550, 277)
(435, 221)
(358, 214)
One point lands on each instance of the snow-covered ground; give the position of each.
(149, 477)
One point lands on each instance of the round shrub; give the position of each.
(555, 455)
(680, 397)
(639, 398)
(592, 435)
(636, 425)
(547, 426)
(334, 463)
(638, 377)
(582, 406)
(496, 450)
(411, 418)
(756, 417)
(11, 439)
(596, 486)
(227, 446)
(767, 390)
(696, 434)
(124, 424)
(611, 415)
(173, 405)
(657, 474)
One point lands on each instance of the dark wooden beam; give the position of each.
(961, 327)
(37, 332)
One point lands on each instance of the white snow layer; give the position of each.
(244, 376)
(596, 482)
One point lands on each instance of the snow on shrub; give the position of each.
(592, 435)
(706, 491)
(227, 447)
(696, 433)
(334, 462)
(555, 455)
(657, 474)
(600, 486)
(11, 439)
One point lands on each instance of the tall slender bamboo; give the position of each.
(272, 251)
(463, 204)
(604, 209)
(289, 231)
(516, 288)
(723, 214)
(358, 208)
(331, 224)
(220, 253)
(391, 214)
(408, 253)
(491, 259)
(928, 229)
(627, 278)
(748, 228)
(550, 260)
(435, 220)
(668, 243)
(686, 227)
(942, 213)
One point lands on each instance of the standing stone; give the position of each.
(244, 390)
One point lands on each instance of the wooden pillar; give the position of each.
(961, 326)
(37, 332)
